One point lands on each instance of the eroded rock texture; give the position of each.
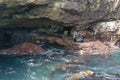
(93, 19)
(32, 13)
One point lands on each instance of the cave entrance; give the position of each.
(59, 31)
(10, 37)
(13, 36)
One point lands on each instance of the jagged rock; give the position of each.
(107, 30)
(32, 13)
(117, 43)
(107, 26)
(23, 49)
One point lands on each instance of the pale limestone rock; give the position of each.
(81, 75)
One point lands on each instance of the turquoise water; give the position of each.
(44, 67)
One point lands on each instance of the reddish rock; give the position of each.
(94, 47)
(23, 49)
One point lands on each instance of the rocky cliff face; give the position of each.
(34, 13)
(91, 19)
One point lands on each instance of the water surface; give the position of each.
(45, 67)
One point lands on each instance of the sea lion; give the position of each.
(79, 39)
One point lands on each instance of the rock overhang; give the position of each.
(67, 12)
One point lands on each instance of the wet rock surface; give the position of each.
(88, 67)
(81, 75)
(94, 47)
(23, 49)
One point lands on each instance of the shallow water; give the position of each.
(45, 67)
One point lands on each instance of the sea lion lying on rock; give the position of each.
(79, 39)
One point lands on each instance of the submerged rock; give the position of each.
(90, 75)
(23, 49)
(81, 75)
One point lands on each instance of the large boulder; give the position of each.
(32, 13)
(23, 49)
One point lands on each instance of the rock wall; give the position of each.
(32, 13)
(91, 19)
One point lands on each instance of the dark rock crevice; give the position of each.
(34, 23)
